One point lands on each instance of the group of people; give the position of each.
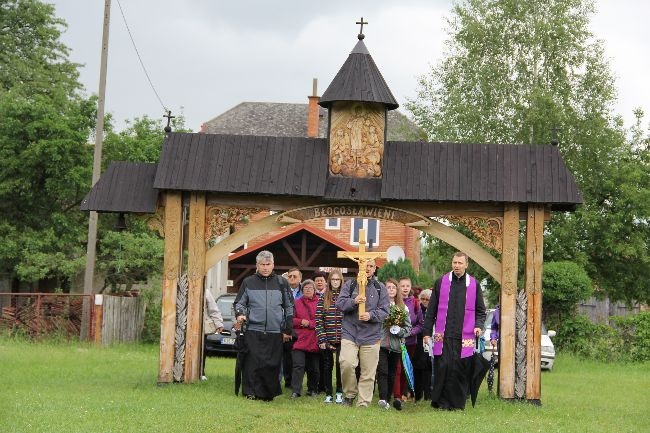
(313, 326)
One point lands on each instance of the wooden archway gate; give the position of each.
(520, 348)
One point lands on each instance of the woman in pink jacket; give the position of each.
(305, 348)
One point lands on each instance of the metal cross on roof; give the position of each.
(169, 117)
(362, 22)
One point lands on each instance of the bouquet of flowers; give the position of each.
(396, 316)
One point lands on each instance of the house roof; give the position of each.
(294, 228)
(359, 79)
(279, 119)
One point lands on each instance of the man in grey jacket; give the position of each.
(265, 303)
(360, 336)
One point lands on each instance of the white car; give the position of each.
(548, 350)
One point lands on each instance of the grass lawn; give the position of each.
(72, 387)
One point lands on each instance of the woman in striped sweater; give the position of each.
(328, 331)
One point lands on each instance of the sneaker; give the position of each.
(294, 395)
(397, 404)
(251, 397)
(328, 399)
(383, 404)
(339, 398)
(204, 377)
(348, 401)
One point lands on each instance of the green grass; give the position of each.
(71, 387)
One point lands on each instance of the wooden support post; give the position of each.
(98, 318)
(171, 275)
(195, 276)
(509, 258)
(534, 265)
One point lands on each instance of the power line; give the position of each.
(140, 58)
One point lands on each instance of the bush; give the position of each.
(627, 339)
(634, 335)
(152, 314)
(565, 284)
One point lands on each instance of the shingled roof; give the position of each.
(290, 120)
(298, 167)
(124, 187)
(359, 80)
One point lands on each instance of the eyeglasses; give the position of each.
(292, 276)
(424, 299)
(335, 279)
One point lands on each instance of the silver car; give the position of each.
(548, 349)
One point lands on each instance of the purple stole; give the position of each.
(467, 346)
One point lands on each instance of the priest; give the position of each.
(457, 310)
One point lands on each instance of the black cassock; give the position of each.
(261, 370)
(452, 374)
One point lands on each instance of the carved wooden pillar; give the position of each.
(509, 259)
(171, 274)
(196, 276)
(534, 264)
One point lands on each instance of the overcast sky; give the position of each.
(207, 56)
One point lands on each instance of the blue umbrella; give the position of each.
(408, 368)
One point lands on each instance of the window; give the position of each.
(372, 231)
(333, 224)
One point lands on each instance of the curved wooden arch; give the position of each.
(456, 239)
(445, 233)
(240, 237)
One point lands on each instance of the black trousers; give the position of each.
(304, 361)
(386, 372)
(262, 365)
(328, 366)
(287, 364)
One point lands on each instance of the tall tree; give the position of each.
(528, 72)
(46, 161)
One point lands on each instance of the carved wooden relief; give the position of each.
(357, 139)
(156, 222)
(489, 231)
(520, 344)
(181, 325)
(219, 219)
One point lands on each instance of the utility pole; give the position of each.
(89, 275)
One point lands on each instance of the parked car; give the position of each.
(224, 342)
(548, 349)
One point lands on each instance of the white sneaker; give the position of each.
(204, 377)
(339, 398)
(383, 404)
(328, 399)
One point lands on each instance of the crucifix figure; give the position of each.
(361, 257)
(362, 22)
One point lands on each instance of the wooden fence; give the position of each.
(599, 311)
(122, 318)
(114, 319)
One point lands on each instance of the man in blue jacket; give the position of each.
(361, 335)
(265, 303)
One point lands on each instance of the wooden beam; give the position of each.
(171, 275)
(465, 244)
(291, 252)
(508, 296)
(195, 276)
(240, 237)
(534, 266)
(315, 254)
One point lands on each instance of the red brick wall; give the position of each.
(390, 233)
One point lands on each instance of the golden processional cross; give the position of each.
(361, 257)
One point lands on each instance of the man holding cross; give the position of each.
(363, 315)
